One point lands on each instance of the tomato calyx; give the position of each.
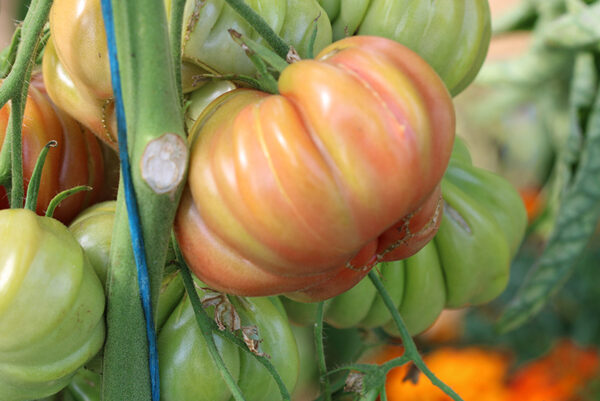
(228, 318)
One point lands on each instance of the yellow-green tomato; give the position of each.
(51, 306)
(189, 373)
(93, 230)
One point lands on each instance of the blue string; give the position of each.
(130, 200)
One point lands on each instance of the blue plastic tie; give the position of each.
(130, 200)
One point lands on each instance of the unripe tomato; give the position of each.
(291, 192)
(466, 263)
(51, 306)
(208, 44)
(77, 160)
(93, 230)
(451, 35)
(189, 373)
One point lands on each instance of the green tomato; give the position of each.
(51, 306)
(202, 97)
(187, 369)
(208, 44)
(85, 386)
(93, 230)
(451, 35)
(467, 262)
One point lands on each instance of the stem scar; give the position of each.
(164, 162)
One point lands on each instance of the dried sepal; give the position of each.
(226, 316)
(252, 340)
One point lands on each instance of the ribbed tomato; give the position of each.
(77, 160)
(305, 191)
(467, 263)
(51, 306)
(451, 35)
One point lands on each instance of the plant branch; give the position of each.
(260, 26)
(318, 336)
(228, 335)
(15, 88)
(410, 347)
(204, 323)
(62, 196)
(36, 176)
(153, 124)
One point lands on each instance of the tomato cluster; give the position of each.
(301, 192)
(294, 171)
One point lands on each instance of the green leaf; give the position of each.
(578, 212)
(579, 30)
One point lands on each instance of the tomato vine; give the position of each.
(14, 88)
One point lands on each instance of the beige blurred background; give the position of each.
(7, 23)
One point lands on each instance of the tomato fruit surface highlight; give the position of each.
(43, 342)
(77, 160)
(290, 192)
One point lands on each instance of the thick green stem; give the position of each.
(15, 122)
(318, 335)
(260, 26)
(410, 347)
(154, 127)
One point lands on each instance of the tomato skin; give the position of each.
(77, 160)
(188, 372)
(466, 263)
(43, 343)
(452, 36)
(329, 161)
